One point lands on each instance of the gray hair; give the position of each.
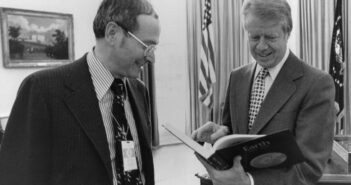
(122, 12)
(269, 10)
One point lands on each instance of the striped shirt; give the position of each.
(102, 80)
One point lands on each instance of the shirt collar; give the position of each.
(273, 72)
(101, 77)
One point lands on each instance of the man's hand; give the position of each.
(232, 176)
(210, 132)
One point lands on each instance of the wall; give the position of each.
(83, 15)
(171, 67)
(294, 40)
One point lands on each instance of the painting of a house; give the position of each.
(36, 38)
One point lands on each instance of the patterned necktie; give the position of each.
(257, 95)
(122, 133)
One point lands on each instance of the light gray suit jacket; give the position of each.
(301, 99)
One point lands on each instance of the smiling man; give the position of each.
(88, 122)
(278, 91)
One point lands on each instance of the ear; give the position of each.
(113, 33)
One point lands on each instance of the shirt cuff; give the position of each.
(252, 182)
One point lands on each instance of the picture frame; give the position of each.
(36, 38)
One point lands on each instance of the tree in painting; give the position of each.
(15, 46)
(59, 50)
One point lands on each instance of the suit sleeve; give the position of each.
(314, 135)
(25, 151)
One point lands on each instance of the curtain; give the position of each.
(232, 48)
(231, 51)
(193, 34)
(316, 20)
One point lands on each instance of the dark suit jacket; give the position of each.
(300, 99)
(55, 133)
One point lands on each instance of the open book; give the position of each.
(257, 151)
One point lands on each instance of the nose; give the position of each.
(261, 45)
(149, 55)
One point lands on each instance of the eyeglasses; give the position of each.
(149, 52)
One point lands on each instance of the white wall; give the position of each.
(171, 67)
(294, 40)
(83, 14)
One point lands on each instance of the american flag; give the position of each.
(207, 76)
(337, 65)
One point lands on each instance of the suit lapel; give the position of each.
(81, 99)
(280, 92)
(138, 100)
(241, 103)
(138, 108)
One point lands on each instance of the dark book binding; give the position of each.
(218, 162)
(271, 151)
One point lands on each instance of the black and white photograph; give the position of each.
(175, 92)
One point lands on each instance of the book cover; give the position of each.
(257, 151)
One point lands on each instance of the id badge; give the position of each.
(129, 158)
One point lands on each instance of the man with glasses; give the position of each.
(88, 122)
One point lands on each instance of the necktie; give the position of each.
(257, 95)
(119, 121)
(122, 133)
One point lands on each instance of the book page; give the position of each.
(233, 139)
(204, 152)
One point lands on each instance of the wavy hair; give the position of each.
(269, 10)
(123, 12)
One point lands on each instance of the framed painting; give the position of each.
(35, 38)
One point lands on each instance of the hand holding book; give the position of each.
(209, 132)
(257, 151)
(234, 174)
